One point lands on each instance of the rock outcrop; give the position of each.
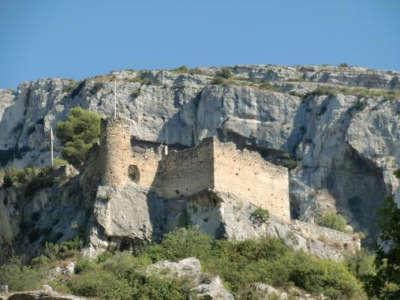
(189, 270)
(223, 216)
(46, 293)
(53, 213)
(127, 217)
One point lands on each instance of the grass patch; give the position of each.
(260, 215)
(332, 220)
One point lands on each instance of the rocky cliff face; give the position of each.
(337, 128)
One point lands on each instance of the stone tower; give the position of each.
(117, 153)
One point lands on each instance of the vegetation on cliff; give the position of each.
(332, 220)
(387, 281)
(78, 134)
(123, 276)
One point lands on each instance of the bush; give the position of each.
(217, 80)
(135, 94)
(181, 69)
(62, 250)
(101, 284)
(78, 134)
(260, 215)
(332, 220)
(59, 162)
(224, 73)
(42, 180)
(181, 244)
(265, 260)
(362, 266)
(7, 181)
(12, 176)
(84, 265)
(19, 277)
(323, 276)
(123, 276)
(31, 178)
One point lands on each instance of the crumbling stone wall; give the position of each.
(247, 175)
(222, 167)
(147, 160)
(185, 172)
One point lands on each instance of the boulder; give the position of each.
(189, 270)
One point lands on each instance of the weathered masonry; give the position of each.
(212, 165)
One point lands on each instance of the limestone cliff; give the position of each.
(337, 128)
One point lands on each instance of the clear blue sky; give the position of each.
(80, 38)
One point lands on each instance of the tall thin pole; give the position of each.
(115, 99)
(166, 137)
(51, 147)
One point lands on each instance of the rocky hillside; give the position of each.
(337, 128)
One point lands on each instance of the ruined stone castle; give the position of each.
(211, 165)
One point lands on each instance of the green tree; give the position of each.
(387, 281)
(78, 134)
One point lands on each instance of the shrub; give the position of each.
(78, 134)
(224, 73)
(259, 215)
(181, 244)
(265, 260)
(19, 277)
(84, 265)
(62, 250)
(123, 276)
(101, 284)
(135, 94)
(124, 262)
(181, 69)
(361, 264)
(31, 178)
(155, 287)
(70, 86)
(323, 276)
(217, 80)
(7, 181)
(397, 173)
(332, 220)
(13, 176)
(42, 180)
(97, 86)
(59, 162)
